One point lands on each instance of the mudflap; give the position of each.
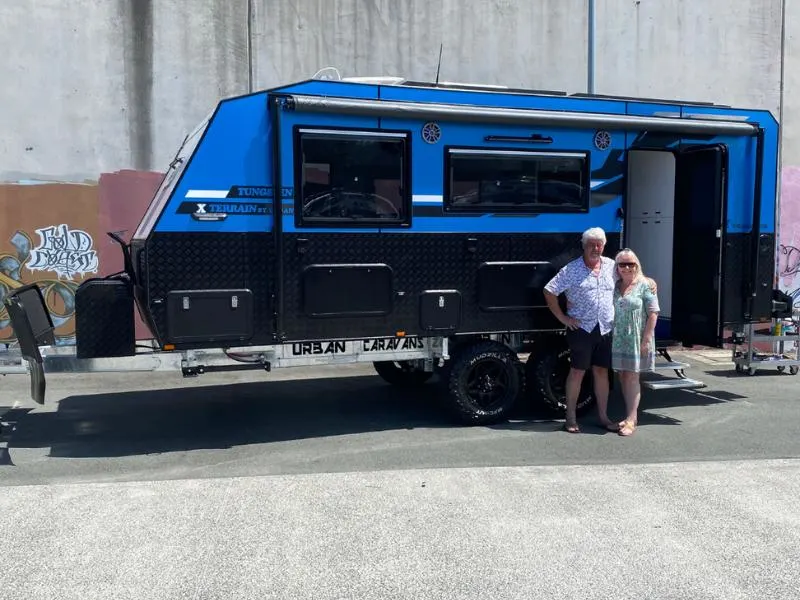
(33, 327)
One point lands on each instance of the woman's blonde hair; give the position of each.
(639, 274)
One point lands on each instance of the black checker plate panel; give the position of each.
(206, 261)
(420, 262)
(735, 269)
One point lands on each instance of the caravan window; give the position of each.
(352, 177)
(484, 180)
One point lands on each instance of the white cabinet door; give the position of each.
(652, 240)
(651, 184)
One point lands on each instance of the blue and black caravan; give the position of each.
(413, 225)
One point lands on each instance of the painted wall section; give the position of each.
(55, 235)
(48, 235)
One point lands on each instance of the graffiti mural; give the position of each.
(54, 234)
(66, 253)
(789, 235)
(47, 237)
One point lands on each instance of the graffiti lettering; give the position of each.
(67, 252)
(789, 261)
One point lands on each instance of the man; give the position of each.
(588, 282)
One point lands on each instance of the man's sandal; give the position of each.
(627, 428)
(571, 428)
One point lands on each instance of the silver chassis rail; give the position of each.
(63, 359)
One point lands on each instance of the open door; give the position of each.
(701, 174)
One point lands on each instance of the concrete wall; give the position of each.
(92, 86)
(539, 44)
(100, 85)
(97, 86)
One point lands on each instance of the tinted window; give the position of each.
(347, 177)
(512, 180)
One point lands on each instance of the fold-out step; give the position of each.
(673, 384)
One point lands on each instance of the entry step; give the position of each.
(664, 366)
(673, 384)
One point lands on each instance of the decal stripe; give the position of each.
(207, 194)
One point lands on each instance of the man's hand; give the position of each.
(571, 322)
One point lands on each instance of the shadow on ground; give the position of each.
(224, 416)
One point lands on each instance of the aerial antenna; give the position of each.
(439, 66)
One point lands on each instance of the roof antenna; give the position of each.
(439, 66)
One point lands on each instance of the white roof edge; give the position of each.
(379, 80)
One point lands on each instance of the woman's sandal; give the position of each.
(627, 428)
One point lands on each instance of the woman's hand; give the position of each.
(645, 345)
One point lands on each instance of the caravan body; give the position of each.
(330, 219)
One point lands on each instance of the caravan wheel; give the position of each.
(401, 373)
(483, 383)
(547, 379)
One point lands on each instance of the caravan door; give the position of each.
(701, 181)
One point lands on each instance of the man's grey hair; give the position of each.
(594, 233)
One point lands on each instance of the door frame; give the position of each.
(683, 332)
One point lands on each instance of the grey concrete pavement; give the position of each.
(335, 485)
(106, 427)
(726, 530)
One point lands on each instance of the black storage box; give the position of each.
(440, 310)
(208, 316)
(104, 319)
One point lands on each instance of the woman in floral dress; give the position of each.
(633, 344)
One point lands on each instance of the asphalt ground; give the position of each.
(328, 483)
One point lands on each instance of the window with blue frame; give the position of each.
(352, 177)
(488, 180)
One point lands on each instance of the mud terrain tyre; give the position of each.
(546, 375)
(483, 383)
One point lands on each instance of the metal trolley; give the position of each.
(784, 329)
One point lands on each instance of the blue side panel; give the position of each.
(742, 164)
(428, 175)
(230, 172)
(289, 120)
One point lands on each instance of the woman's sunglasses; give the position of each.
(627, 265)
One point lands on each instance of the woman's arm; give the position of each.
(650, 302)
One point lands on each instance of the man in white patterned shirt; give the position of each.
(588, 283)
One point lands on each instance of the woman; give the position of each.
(633, 345)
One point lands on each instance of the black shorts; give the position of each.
(589, 349)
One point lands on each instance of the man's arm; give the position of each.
(551, 291)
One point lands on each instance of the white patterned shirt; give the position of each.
(590, 297)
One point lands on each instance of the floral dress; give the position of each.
(630, 317)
